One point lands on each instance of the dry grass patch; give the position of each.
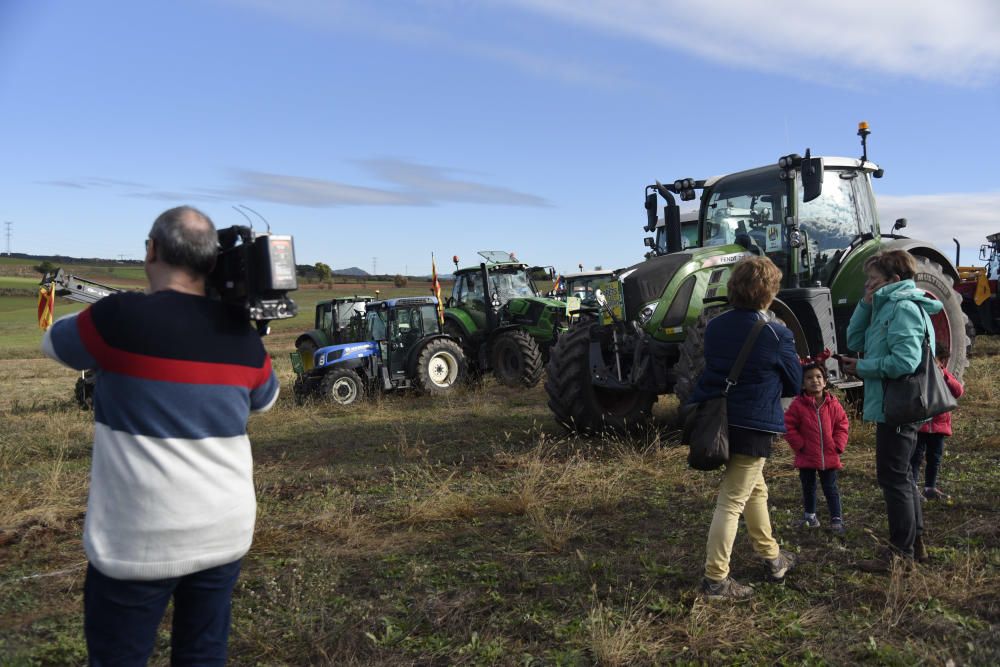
(625, 635)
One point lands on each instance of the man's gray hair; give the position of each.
(186, 237)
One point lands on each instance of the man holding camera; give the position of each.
(171, 508)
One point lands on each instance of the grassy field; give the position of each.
(471, 530)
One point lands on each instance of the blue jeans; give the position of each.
(828, 479)
(121, 616)
(933, 443)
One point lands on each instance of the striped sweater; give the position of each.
(171, 482)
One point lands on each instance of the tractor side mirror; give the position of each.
(650, 212)
(812, 178)
(900, 224)
(649, 241)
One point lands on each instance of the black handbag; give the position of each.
(919, 396)
(706, 429)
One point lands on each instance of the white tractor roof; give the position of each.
(828, 161)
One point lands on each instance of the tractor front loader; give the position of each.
(79, 290)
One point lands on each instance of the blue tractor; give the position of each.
(403, 348)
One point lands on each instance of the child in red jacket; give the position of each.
(816, 429)
(932, 434)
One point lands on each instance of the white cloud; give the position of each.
(939, 218)
(957, 42)
(410, 184)
(429, 29)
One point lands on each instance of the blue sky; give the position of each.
(390, 130)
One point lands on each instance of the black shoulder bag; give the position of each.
(706, 429)
(919, 396)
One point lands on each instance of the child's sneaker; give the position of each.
(809, 521)
(778, 567)
(935, 493)
(727, 588)
(837, 526)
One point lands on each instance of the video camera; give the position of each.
(255, 273)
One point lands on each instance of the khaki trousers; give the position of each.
(743, 491)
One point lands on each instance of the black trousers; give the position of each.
(894, 446)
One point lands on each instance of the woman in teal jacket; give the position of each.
(888, 326)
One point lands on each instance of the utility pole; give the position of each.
(8, 224)
(374, 264)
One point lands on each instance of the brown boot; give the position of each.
(919, 550)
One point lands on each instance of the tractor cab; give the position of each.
(399, 326)
(337, 321)
(338, 317)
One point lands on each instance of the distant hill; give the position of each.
(65, 259)
(353, 271)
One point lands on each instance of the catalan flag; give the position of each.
(46, 305)
(558, 285)
(436, 287)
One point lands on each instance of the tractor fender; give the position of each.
(462, 319)
(921, 249)
(317, 336)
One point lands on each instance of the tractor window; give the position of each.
(409, 327)
(429, 315)
(469, 289)
(324, 316)
(510, 285)
(375, 323)
(829, 223)
(748, 210)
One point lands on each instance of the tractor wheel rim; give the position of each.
(511, 360)
(442, 369)
(344, 391)
(942, 326)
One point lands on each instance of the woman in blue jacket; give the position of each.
(888, 326)
(755, 420)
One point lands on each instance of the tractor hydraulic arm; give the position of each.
(75, 288)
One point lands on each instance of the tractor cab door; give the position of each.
(748, 211)
(405, 331)
(470, 296)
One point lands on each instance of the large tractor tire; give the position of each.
(692, 356)
(951, 324)
(342, 386)
(576, 403)
(517, 359)
(440, 366)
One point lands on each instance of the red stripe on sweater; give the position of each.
(166, 370)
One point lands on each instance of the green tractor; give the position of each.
(339, 320)
(814, 217)
(503, 324)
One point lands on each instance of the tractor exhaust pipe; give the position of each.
(958, 252)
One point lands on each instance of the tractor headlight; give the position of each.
(646, 313)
